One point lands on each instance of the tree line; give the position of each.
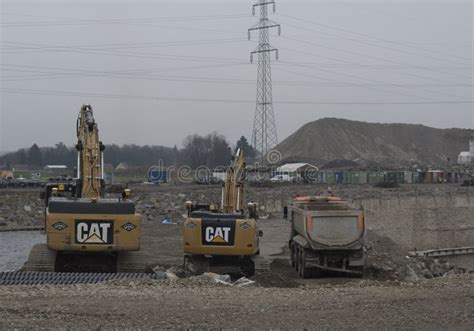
(210, 150)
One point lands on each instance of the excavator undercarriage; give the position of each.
(42, 258)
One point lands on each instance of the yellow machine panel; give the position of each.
(93, 233)
(209, 237)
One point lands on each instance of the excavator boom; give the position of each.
(90, 155)
(233, 188)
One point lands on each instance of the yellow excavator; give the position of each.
(225, 239)
(87, 232)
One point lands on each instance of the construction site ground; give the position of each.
(394, 293)
(442, 303)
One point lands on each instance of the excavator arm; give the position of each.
(90, 155)
(233, 187)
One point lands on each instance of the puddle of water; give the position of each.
(15, 247)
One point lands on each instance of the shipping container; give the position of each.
(433, 177)
(355, 178)
(330, 178)
(408, 177)
(417, 178)
(395, 177)
(376, 177)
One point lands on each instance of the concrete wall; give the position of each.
(423, 222)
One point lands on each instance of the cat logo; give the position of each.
(218, 232)
(217, 235)
(94, 232)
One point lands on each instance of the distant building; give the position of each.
(219, 174)
(292, 172)
(6, 174)
(464, 158)
(467, 158)
(55, 167)
(21, 167)
(122, 166)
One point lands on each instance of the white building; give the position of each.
(294, 172)
(122, 166)
(466, 158)
(55, 167)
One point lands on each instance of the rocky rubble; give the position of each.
(20, 209)
(388, 261)
(23, 208)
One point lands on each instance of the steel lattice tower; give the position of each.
(264, 136)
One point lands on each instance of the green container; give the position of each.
(330, 178)
(355, 178)
(375, 177)
(395, 177)
(362, 178)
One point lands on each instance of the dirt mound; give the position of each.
(390, 145)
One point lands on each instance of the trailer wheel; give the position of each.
(293, 254)
(360, 274)
(303, 271)
(297, 259)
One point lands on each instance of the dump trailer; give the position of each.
(326, 236)
(224, 239)
(86, 231)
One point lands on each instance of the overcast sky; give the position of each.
(156, 71)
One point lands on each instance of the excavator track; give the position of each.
(40, 259)
(248, 267)
(69, 278)
(261, 264)
(135, 262)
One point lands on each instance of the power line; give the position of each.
(431, 79)
(64, 73)
(355, 85)
(384, 59)
(80, 50)
(405, 44)
(367, 79)
(205, 100)
(69, 21)
(381, 46)
(10, 49)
